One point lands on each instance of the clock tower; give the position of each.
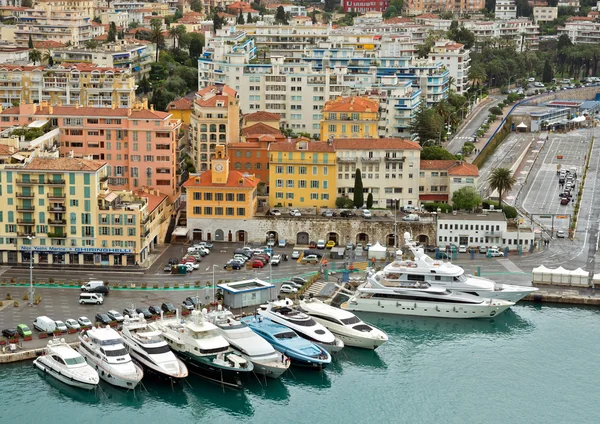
(220, 166)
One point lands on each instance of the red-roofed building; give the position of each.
(219, 201)
(456, 59)
(350, 117)
(268, 118)
(363, 6)
(181, 109)
(425, 7)
(439, 179)
(215, 120)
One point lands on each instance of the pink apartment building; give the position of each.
(139, 144)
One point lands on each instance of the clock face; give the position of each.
(219, 167)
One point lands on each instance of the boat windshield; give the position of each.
(285, 335)
(302, 321)
(351, 320)
(157, 350)
(75, 361)
(110, 342)
(115, 352)
(199, 335)
(460, 277)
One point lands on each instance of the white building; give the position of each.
(456, 59)
(490, 228)
(569, 3)
(292, 9)
(587, 32)
(389, 169)
(64, 26)
(522, 32)
(544, 14)
(505, 9)
(121, 19)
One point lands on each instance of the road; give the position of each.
(474, 122)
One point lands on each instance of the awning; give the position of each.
(522, 125)
(578, 119)
(434, 197)
(111, 196)
(136, 68)
(180, 232)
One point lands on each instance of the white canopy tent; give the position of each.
(561, 276)
(542, 275)
(579, 277)
(377, 251)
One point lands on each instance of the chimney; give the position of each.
(129, 112)
(76, 105)
(113, 106)
(152, 108)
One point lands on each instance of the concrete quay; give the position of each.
(27, 350)
(545, 294)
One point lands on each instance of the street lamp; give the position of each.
(395, 226)
(270, 237)
(30, 238)
(213, 283)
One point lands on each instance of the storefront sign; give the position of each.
(57, 249)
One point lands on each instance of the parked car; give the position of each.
(206, 244)
(291, 283)
(10, 333)
(316, 253)
(564, 200)
(103, 290)
(310, 258)
(234, 264)
(271, 243)
(24, 331)
(84, 322)
(494, 252)
(168, 308)
(286, 288)
(60, 326)
(368, 246)
(257, 263)
(103, 319)
(366, 214)
(282, 243)
(115, 316)
(298, 280)
(167, 268)
(72, 324)
(330, 244)
(144, 311)
(565, 194)
(346, 214)
(276, 260)
(155, 310)
(275, 212)
(560, 234)
(295, 254)
(327, 214)
(462, 249)
(321, 244)
(186, 304)
(260, 259)
(295, 212)
(130, 312)
(193, 300)
(312, 244)
(410, 217)
(349, 246)
(483, 249)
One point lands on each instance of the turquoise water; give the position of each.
(531, 364)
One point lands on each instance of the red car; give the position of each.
(188, 259)
(257, 264)
(564, 201)
(312, 244)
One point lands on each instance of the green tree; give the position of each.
(436, 153)
(249, 19)
(313, 17)
(47, 57)
(466, 198)
(359, 197)
(91, 44)
(390, 12)
(329, 5)
(196, 46)
(217, 21)
(496, 110)
(176, 32)
(27, 3)
(156, 35)
(35, 56)
(30, 42)
(547, 74)
(501, 179)
(370, 201)
(112, 33)
(197, 6)
(344, 203)
(477, 74)
(280, 16)
(240, 18)
(463, 36)
(426, 124)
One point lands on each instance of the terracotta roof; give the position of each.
(454, 167)
(6, 149)
(153, 199)
(233, 180)
(217, 89)
(351, 104)
(47, 44)
(64, 164)
(374, 143)
(209, 96)
(92, 111)
(427, 16)
(15, 110)
(180, 104)
(259, 129)
(262, 116)
(226, 15)
(398, 20)
(312, 146)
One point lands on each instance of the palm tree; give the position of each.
(156, 35)
(501, 179)
(47, 57)
(173, 34)
(35, 56)
(177, 32)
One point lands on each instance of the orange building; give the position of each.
(268, 118)
(350, 117)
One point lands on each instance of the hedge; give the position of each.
(434, 206)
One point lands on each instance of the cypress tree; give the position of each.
(359, 198)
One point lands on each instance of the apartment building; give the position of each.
(544, 14)
(181, 109)
(584, 32)
(220, 201)
(302, 174)
(292, 9)
(84, 6)
(137, 56)
(363, 6)
(456, 59)
(418, 7)
(87, 85)
(139, 144)
(521, 32)
(54, 23)
(61, 211)
(389, 169)
(215, 120)
(350, 117)
(439, 179)
(505, 9)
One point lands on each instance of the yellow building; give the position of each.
(350, 117)
(219, 201)
(302, 174)
(62, 210)
(181, 109)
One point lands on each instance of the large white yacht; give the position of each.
(205, 351)
(65, 364)
(343, 324)
(148, 347)
(423, 269)
(421, 299)
(103, 349)
(267, 361)
(283, 312)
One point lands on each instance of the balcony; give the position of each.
(56, 209)
(57, 221)
(55, 196)
(26, 195)
(371, 160)
(22, 208)
(21, 182)
(395, 159)
(53, 182)
(25, 221)
(146, 233)
(27, 234)
(347, 159)
(57, 235)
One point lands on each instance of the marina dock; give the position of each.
(556, 294)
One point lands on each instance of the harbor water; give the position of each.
(532, 364)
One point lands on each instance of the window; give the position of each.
(290, 169)
(302, 170)
(241, 197)
(207, 210)
(289, 183)
(314, 184)
(208, 196)
(241, 211)
(302, 184)
(279, 169)
(229, 197)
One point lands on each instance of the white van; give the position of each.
(410, 217)
(44, 324)
(92, 284)
(93, 298)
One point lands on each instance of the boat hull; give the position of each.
(425, 309)
(203, 367)
(511, 293)
(301, 360)
(155, 370)
(272, 369)
(107, 374)
(331, 348)
(357, 341)
(62, 377)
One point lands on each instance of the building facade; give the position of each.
(417, 7)
(545, 14)
(505, 9)
(389, 170)
(439, 179)
(362, 6)
(73, 27)
(456, 59)
(302, 174)
(350, 117)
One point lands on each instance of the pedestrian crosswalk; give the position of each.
(463, 138)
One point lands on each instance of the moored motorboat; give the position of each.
(65, 364)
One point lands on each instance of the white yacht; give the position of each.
(267, 361)
(283, 312)
(344, 324)
(205, 351)
(65, 364)
(424, 269)
(421, 299)
(148, 347)
(103, 349)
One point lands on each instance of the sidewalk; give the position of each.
(481, 141)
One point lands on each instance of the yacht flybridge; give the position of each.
(423, 269)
